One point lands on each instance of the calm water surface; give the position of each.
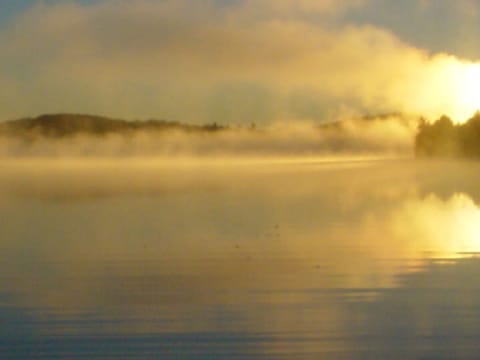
(144, 259)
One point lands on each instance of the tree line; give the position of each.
(62, 125)
(443, 138)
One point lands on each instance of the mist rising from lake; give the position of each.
(390, 135)
(252, 258)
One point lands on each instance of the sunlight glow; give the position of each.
(454, 225)
(447, 86)
(466, 91)
(468, 222)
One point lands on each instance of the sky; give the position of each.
(240, 61)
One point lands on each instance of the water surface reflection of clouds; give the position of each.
(240, 261)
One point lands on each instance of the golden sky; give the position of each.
(238, 61)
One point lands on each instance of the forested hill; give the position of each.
(443, 138)
(78, 135)
(61, 125)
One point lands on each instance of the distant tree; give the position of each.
(469, 134)
(437, 139)
(212, 127)
(442, 138)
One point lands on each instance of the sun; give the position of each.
(449, 86)
(464, 90)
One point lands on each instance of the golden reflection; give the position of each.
(442, 228)
(175, 237)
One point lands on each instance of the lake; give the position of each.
(329, 258)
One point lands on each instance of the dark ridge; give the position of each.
(382, 116)
(366, 119)
(62, 125)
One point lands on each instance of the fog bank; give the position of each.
(391, 135)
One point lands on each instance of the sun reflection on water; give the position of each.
(292, 259)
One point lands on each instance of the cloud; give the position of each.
(292, 8)
(233, 63)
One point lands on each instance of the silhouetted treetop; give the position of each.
(443, 138)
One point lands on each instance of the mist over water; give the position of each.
(389, 135)
(246, 258)
(269, 205)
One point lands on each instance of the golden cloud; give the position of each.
(176, 60)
